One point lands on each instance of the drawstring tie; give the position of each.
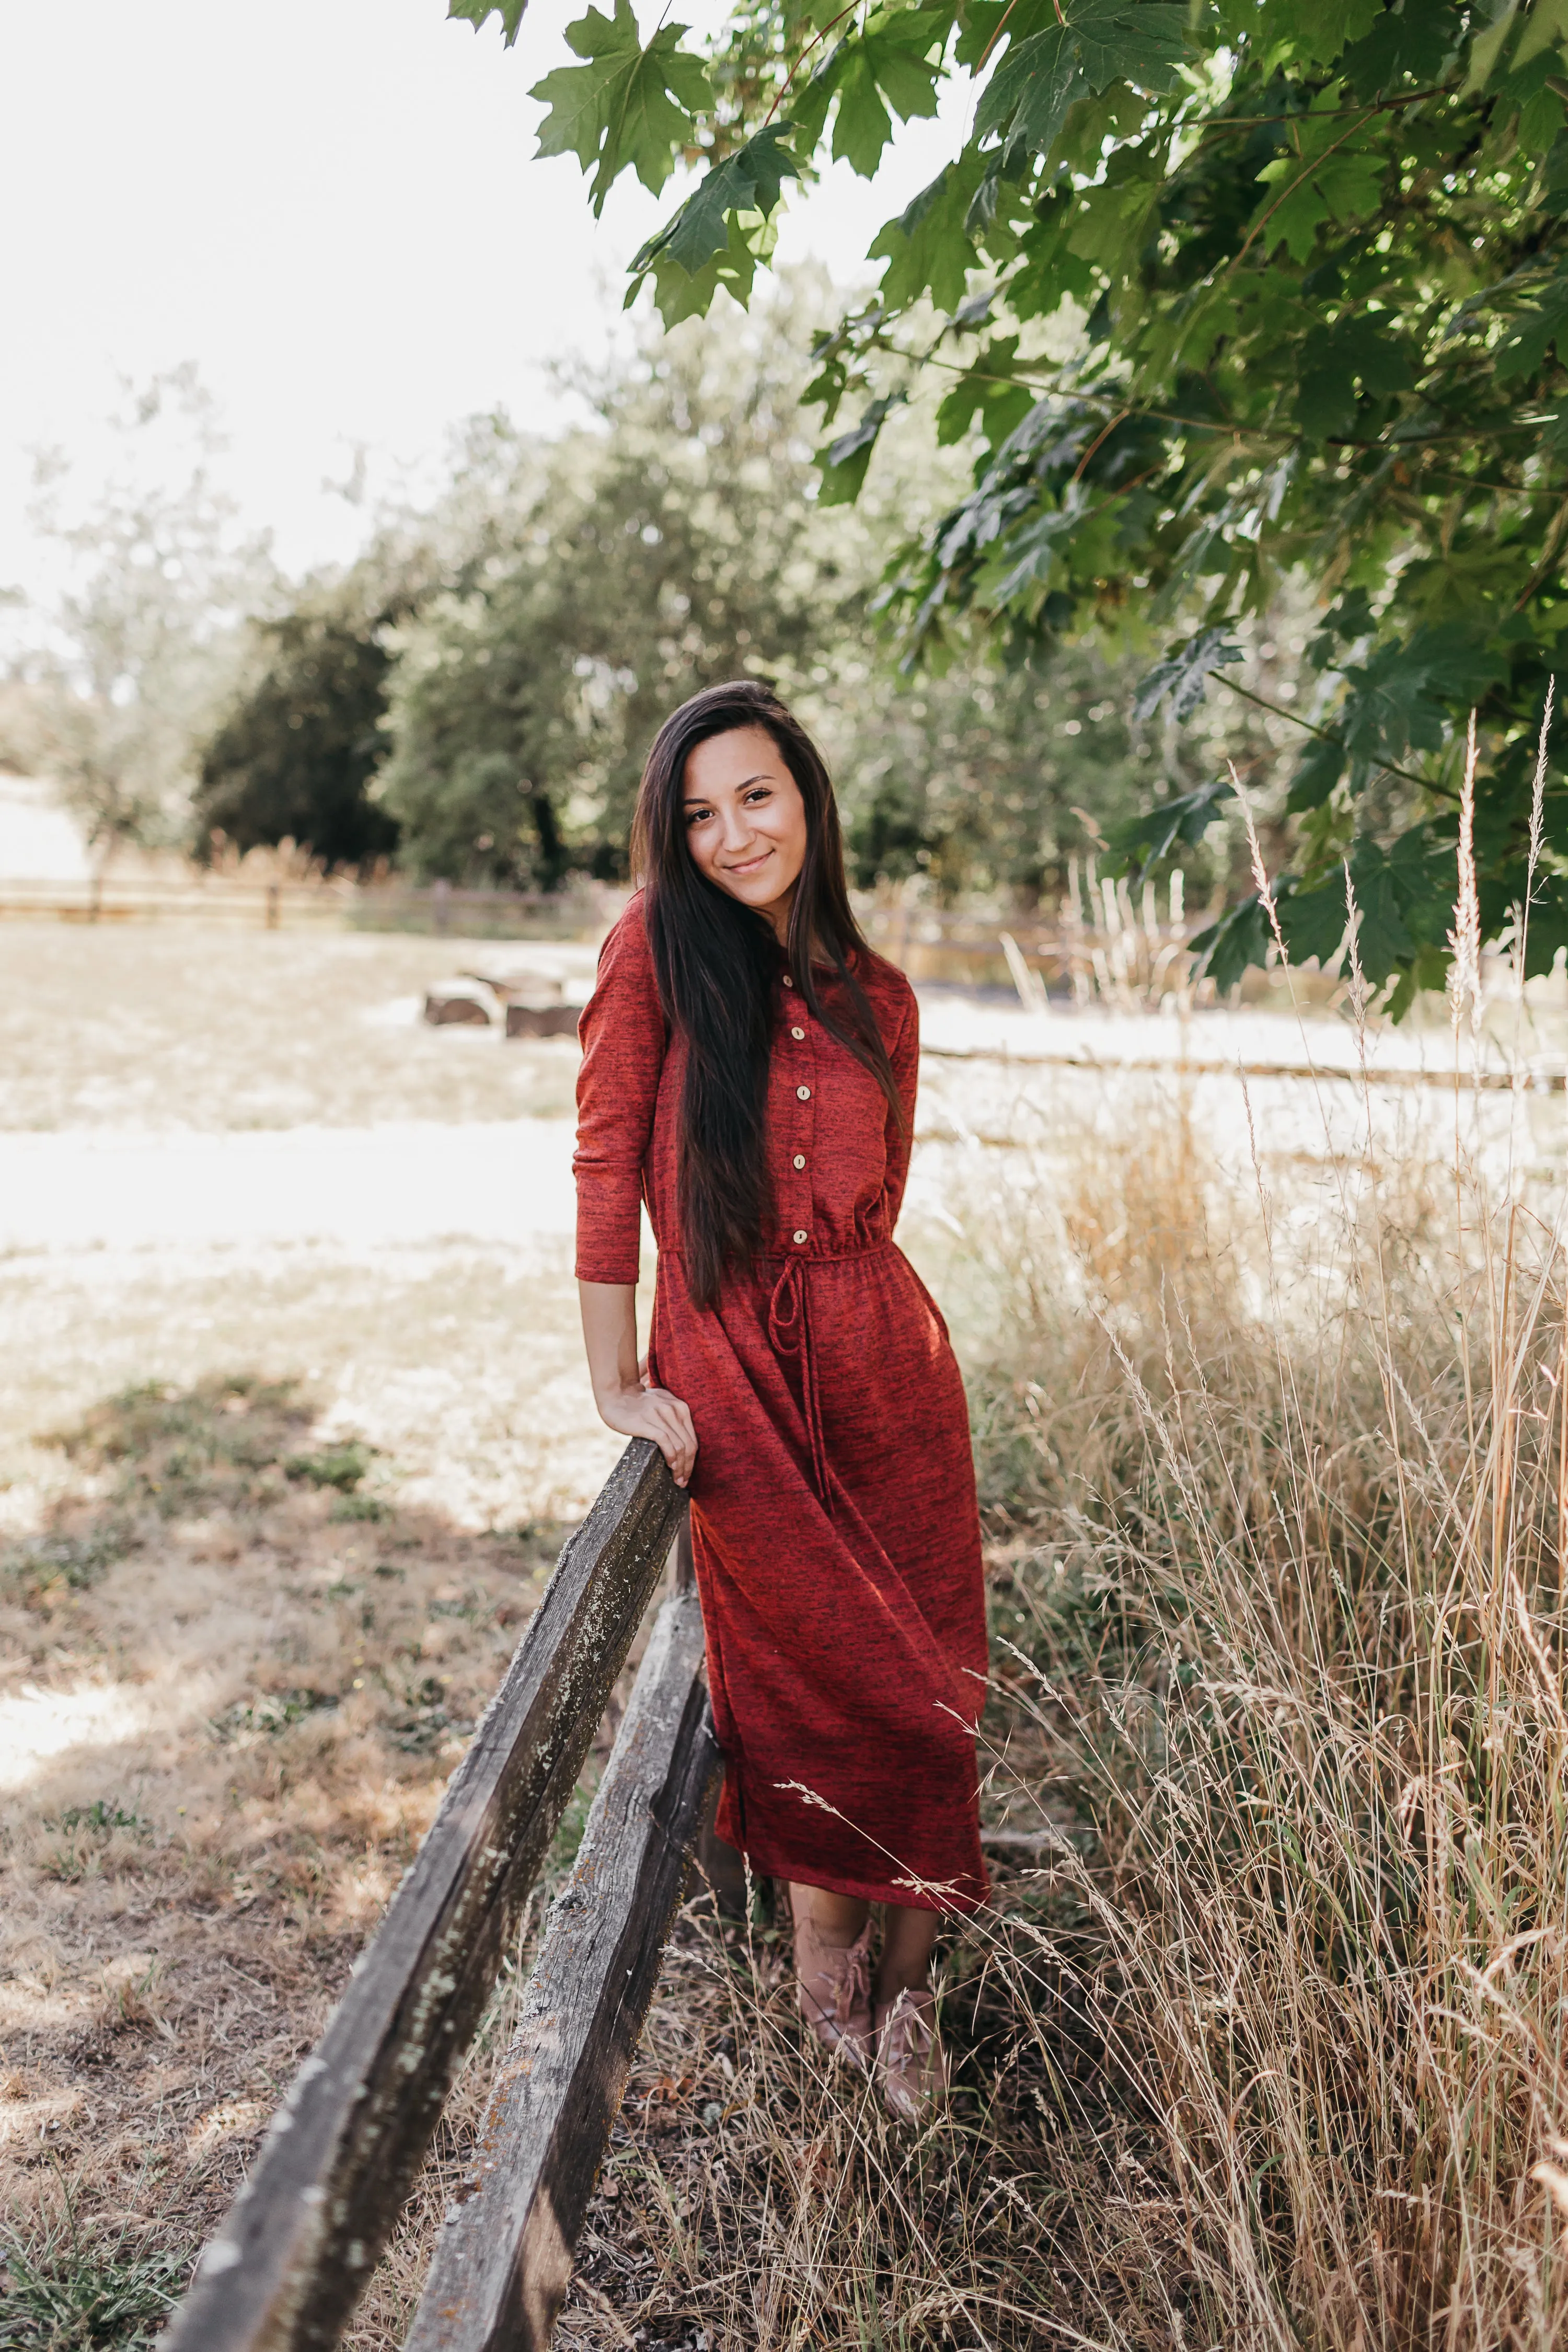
(789, 1329)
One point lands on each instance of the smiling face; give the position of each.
(745, 820)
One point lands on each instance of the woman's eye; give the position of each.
(697, 815)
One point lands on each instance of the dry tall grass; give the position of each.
(1287, 1597)
(1262, 2044)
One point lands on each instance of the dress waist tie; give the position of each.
(789, 1329)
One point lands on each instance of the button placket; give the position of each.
(804, 1070)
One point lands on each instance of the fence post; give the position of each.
(442, 896)
(271, 916)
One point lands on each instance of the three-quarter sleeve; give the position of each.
(905, 1056)
(623, 1037)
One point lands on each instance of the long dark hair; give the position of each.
(717, 964)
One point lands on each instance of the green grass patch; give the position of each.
(67, 2296)
(266, 1718)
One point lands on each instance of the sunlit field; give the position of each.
(1262, 2041)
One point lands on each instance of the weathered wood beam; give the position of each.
(297, 2247)
(503, 2261)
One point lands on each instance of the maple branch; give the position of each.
(1103, 434)
(1301, 177)
(997, 35)
(1087, 393)
(1327, 735)
(1329, 115)
(784, 90)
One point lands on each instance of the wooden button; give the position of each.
(800, 1160)
(801, 1237)
(804, 1093)
(797, 1033)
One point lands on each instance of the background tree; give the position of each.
(1232, 292)
(293, 759)
(673, 547)
(986, 783)
(482, 686)
(125, 671)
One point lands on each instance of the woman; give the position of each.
(749, 1072)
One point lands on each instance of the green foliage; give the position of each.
(249, 1719)
(977, 782)
(626, 108)
(102, 1815)
(699, 249)
(40, 1565)
(1236, 296)
(294, 757)
(478, 13)
(1043, 75)
(669, 550)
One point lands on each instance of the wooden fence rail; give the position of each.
(503, 2261)
(297, 2246)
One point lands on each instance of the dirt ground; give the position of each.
(293, 1423)
(272, 1513)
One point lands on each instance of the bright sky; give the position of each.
(331, 206)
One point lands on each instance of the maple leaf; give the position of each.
(626, 107)
(1033, 89)
(1317, 770)
(1317, 30)
(1183, 674)
(479, 12)
(1351, 351)
(704, 242)
(845, 460)
(1533, 331)
(875, 75)
(1315, 923)
(1323, 179)
(1143, 841)
(1546, 27)
(1240, 939)
(680, 293)
(1417, 40)
(1397, 699)
(928, 245)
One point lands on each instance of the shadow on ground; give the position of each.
(235, 1673)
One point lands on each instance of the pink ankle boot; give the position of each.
(908, 2055)
(833, 1984)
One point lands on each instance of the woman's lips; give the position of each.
(750, 865)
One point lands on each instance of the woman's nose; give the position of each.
(737, 828)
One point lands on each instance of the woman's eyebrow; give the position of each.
(701, 800)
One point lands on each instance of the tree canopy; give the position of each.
(1227, 295)
(477, 692)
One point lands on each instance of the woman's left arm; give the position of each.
(905, 1056)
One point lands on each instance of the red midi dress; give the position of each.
(833, 1510)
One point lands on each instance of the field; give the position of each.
(1262, 2043)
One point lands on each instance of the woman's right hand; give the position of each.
(655, 1413)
